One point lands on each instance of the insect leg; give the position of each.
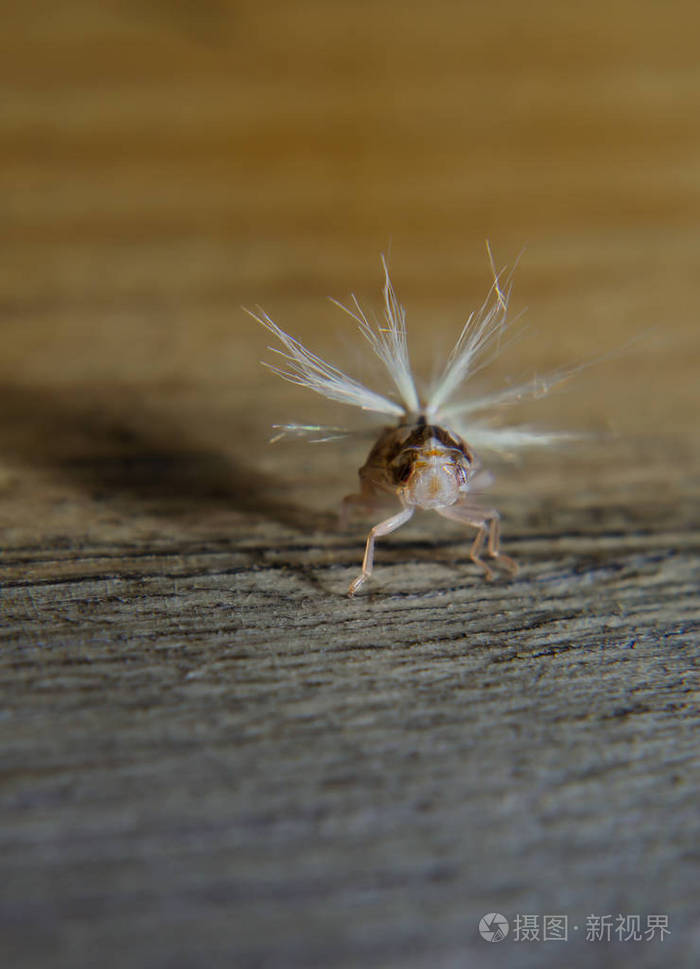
(383, 528)
(366, 503)
(505, 561)
(486, 520)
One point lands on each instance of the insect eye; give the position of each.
(462, 474)
(403, 472)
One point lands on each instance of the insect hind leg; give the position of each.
(487, 521)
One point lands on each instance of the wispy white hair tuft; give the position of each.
(389, 342)
(482, 327)
(507, 440)
(309, 370)
(314, 433)
(532, 389)
(478, 343)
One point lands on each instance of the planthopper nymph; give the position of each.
(428, 459)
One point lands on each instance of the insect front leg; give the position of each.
(383, 528)
(364, 505)
(375, 495)
(487, 521)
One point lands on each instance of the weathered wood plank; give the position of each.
(210, 756)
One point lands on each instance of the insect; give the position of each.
(429, 459)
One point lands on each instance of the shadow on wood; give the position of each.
(145, 463)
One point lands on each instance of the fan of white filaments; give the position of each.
(480, 334)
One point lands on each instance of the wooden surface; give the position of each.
(211, 757)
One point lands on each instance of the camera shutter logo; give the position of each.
(493, 927)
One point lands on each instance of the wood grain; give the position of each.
(210, 756)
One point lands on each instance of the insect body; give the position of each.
(427, 467)
(427, 460)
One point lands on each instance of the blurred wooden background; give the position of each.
(207, 759)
